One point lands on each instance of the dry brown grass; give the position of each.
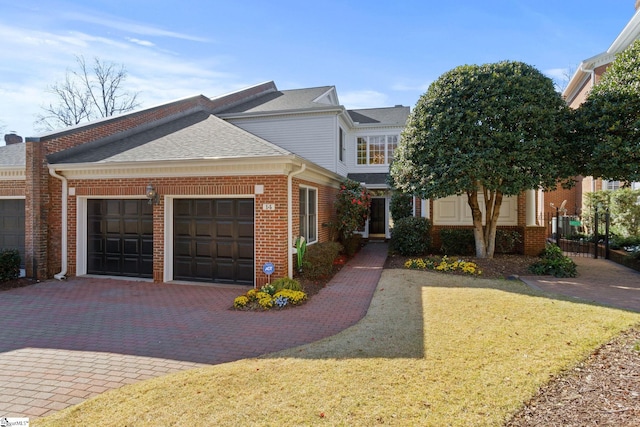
(433, 350)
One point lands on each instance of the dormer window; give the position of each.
(376, 149)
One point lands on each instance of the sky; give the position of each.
(376, 53)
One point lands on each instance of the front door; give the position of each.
(377, 219)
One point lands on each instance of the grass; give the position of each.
(433, 350)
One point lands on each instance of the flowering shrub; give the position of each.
(444, 264)
(264, 300)
(352, 208)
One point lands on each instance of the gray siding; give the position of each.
(314, 138)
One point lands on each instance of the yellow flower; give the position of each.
(240, 301)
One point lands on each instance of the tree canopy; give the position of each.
(608, 122)
(492, 130)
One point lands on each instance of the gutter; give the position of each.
(291, 250)
(64, 196)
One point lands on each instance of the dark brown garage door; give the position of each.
(12, 225)
(120, 238)
(213, 240)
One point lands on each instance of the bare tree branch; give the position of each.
(88, 94)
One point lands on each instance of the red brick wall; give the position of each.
(271, 227)
(12, 187)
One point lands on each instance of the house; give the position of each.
(199, 189)
(586, 76)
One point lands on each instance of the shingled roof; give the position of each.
(283, 100)
(198, 135)
(13, 155)
(387, 116)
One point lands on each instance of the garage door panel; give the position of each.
(224, 208)
(220, 240)
(204, 228)
(112, 207)
(204, 249)
(224, 229)
(245, 250)
(113, 225)
(202, 208)
(245, 230)
(112, 246)
(181, 227)
(131, 246)
(182, 248)
(226, 271)
(245, 209)
(224, 249)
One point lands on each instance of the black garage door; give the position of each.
(213, 240)
(12, 226)
(120, 238)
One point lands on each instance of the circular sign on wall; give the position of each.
(268, 268)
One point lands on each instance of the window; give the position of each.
(612, 185)
(309, 214)
(376, 149)
(341, 144)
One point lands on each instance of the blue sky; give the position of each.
(376, 53)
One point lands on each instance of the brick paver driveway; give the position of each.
(62, 342)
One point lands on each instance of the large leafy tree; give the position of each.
(609, 121)
(487, 131)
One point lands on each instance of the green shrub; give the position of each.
(553, 262)
(352, 244)
(506, 241)
(319, 259)
(286, 283)
(457, 241)
(411, 236)
(618, 242)
(401, 205)
(9, 264)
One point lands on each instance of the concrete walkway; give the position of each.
(599, 280)
(64, 342)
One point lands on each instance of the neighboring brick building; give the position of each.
(586, 76)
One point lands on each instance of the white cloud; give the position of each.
(117, 23)
(145, 43)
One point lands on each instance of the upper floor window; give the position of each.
(376, 149)
(341, 144)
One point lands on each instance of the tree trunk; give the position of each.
(485, 235)
(478, 231)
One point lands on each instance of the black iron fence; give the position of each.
(579, 235)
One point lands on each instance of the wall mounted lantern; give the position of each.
(152, 195)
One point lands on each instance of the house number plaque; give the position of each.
(269, 207)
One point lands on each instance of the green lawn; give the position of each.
(434, 349)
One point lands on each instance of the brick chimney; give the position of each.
(637, 4)
(12, 138)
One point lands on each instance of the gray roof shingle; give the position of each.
(282, 100)
(385, 116)
(196, 136)
(13, 155)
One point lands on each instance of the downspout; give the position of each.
(291, 250)
(64, 196)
